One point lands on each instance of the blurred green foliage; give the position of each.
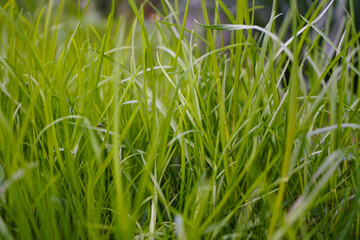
(31, 5)
(262, 12)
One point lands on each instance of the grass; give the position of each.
(127, 128)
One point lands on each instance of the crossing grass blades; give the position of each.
(135, 129)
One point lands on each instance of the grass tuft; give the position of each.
(135, 128)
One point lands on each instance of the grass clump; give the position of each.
(125, 128)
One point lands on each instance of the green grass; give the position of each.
(125, 128)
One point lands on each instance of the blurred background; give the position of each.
(98, 10)
(104, 6)
(262, 13)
